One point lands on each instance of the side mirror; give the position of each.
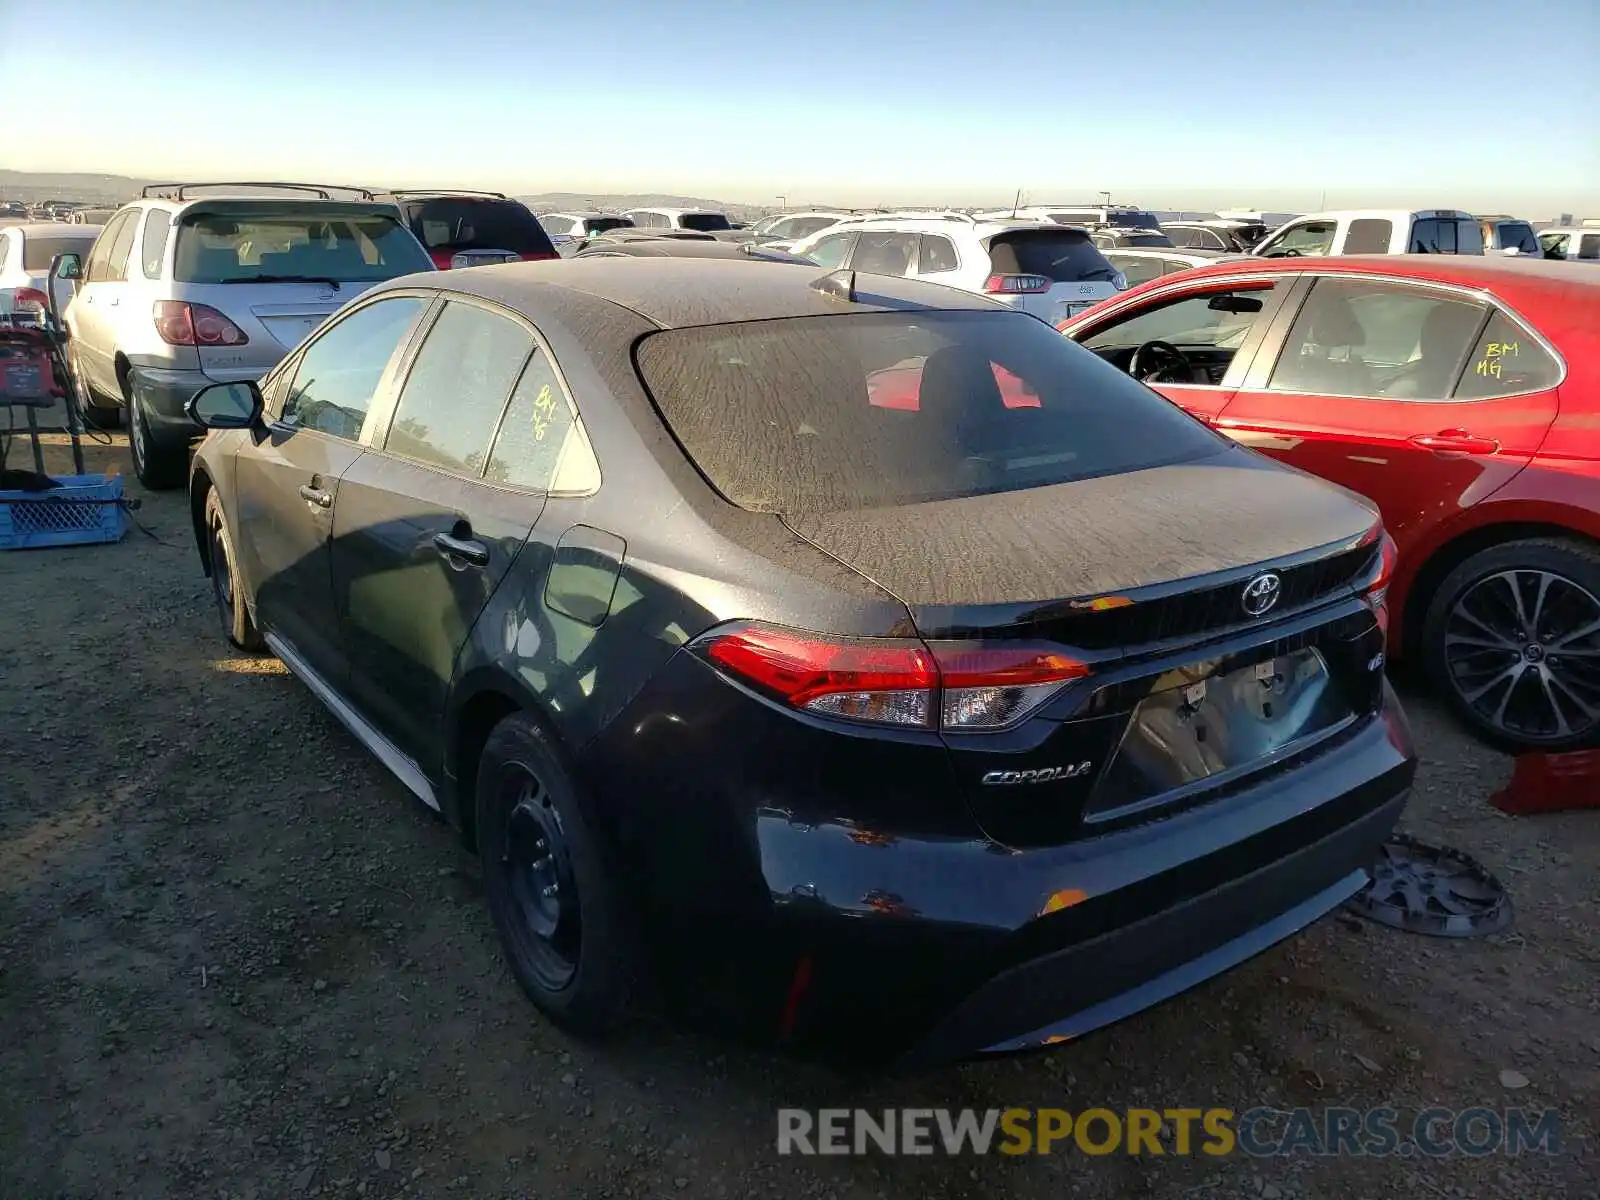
(226, 406)
(66, 266)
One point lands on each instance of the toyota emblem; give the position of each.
(1261, 593)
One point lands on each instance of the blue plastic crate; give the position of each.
(84, 510)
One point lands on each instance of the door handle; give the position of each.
(457, 549)
(1455, 442)
(315, 495)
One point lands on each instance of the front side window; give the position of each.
(121, 247)
(831, 251)
(266, 247)
(1208, 320)
(1354, 338)
(835, 413)
(457, 387)
(1554, 245)
(1309, 238)
(1368, 235)
(339, 372)
(1589, 246)
(153, 245)
(1506, 361)
(97, 270)
(541, 444)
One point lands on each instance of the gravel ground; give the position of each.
(237, 960)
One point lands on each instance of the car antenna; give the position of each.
(841, 285)
(1016, 203)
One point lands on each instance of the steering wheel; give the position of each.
(1156, 362)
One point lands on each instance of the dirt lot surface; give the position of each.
(237, 960)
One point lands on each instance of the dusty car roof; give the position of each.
(676, 292)
(30, 229)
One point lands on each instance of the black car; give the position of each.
(1226, 237)
(1144, 239)
(468, 229)
(862, 662)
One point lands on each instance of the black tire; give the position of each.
(226, 587)
(522, 771)
(157, 465)
(1473, 625)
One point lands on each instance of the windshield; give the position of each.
(832, 413)
(37, 252)
(704, 222)
(213, 248)
(605, 224)
(1060, 255)
(456, 223)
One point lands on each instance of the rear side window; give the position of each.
(705, 222)
(1309, 238)
(1135, 220)
(541, 444)
(1137, 270)
(1060, 255)
(880, 253)
(1554, 245)
(219, 248)
(455, 223)
(39, 252)
(1589, 246)
(1368, 235)
(818, 414)
(457, 389)
(605, 224)
(1505, 361)
(938, 254)
(153, 245)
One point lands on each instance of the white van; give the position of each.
(1575, 243)
(1375, 231)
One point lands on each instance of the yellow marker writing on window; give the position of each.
(542, 405)
(1488, 366)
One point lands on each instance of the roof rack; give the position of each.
(323, 191)
(447, 192)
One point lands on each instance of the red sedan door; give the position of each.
(1423, 399)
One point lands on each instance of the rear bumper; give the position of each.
(786, 910)
(164, 392)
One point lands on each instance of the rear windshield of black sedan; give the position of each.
(833, 413)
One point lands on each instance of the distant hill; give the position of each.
(34, 186)
(611, 202)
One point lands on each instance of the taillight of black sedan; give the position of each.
(877, 669)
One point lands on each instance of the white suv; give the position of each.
(1375, 231)
(1051, 271)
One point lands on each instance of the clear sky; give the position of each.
(1492, 106)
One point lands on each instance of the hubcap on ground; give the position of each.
(1523, 650)
(538, 873)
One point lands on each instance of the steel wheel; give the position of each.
(1522, 650)
(537, 866)
(138, 436)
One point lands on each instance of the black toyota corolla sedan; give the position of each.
(860, 661)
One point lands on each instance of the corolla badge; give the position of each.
(1039, 775)
(1261, 593)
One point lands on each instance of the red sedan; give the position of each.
(1462, 394)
